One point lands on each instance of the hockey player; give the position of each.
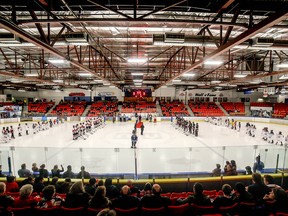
(19, 130)
(286, 141)
(280, 138)
(27, 129)
(12, 132)
(134, 140)
(5, 135)
(253, 131)
(271, 137)
(196, 130)
(265, 133)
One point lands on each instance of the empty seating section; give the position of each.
(205, 109)
(173, 108)
(40, 107)
(101, 107)
(280, 110)
(234, 108)
(69, 109)
(138, 107)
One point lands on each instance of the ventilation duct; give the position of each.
(263, 42)
(76, 38)
(9, 38)
(182, 40)
(174, 38)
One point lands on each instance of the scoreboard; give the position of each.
(138, 93)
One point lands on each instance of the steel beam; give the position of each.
(162, 9)
(114, 21)
(30, 38)
(267, 23)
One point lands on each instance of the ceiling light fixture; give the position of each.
(283, 65)
(136, 60)
(137, 80)
(283, 77)
(56, 61)
(85, 74)
(213, 62)
(188, 75)
(240, 75)
(176, 80)
(31, 75)
(137, 73)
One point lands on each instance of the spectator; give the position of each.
(147, 189)
(38, 185)
(5, 200)
(23, 172)
(258, 165)
(43, 172)
(279, 199)
(133, 189)
(241, 195)
(55, 172)
(65, 186)
(35, 170)
(197, 197)
(228, 169)
(112, 191)
(99, 200)
(25, 198)
(100, 183)
(68, 173)
(91, 187)
(234, 168)
(49, 199)
(125, 201)
(106, 212)
(248, 170)
(11, 184)
(29, 180)
(226, 199)
(83, 174)
(55, 183)
(217, 170)
(269, 182)
(257, 189)
(77, 197)
(155, 200)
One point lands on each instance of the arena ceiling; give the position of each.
(219, 44)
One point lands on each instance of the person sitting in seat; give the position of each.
(5, 201)
(99, 200)
(197, 197)
(226, 199)
(125, 201)
(25, 199)
(49, 199)
(155, 200)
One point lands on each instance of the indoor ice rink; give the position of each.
(163, 148)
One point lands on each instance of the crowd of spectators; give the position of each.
(55, 172)
(266, 196)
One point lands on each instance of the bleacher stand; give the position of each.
(234, 108)
(174, 108)
(205, 109)
(100, 108)
(69, 108)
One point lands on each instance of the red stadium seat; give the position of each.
(72, 211)
(153, 211)
(200, 210)
(178, 210)
(127, 212)
(47, 211)
(25, 211)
